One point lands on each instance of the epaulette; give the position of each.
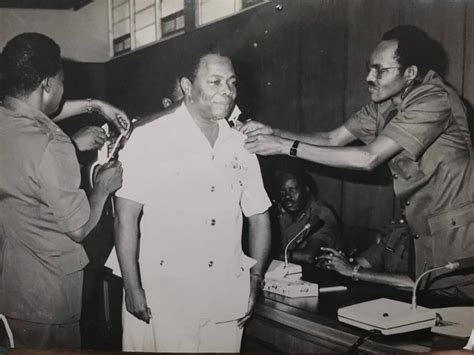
(142, 121)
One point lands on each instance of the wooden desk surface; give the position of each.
(310, 324)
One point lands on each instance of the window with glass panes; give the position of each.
(135, 23)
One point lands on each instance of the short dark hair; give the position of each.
(190, 64)
(415, 47)
(28, 59)
(292, 167)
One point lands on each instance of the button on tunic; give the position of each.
(434, 170)
(193, 197)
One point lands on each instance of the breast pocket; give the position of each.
(405, 168)
(234, 179)
(451, 219)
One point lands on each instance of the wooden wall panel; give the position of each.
(83, 80)
(278, 46)
(367, 198)
(322, 63)
(301, 67)
(468, 82)
(443, 20)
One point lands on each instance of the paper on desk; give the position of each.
(470, 342)
(457, 322)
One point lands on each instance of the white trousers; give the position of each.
(170, 334)
(192, 315)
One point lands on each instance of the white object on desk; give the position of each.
(332, 289)
(470, 342)
(456, 322)
(285, 279)
(388, 316)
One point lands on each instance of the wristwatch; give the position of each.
(294, 149)
(355, 270)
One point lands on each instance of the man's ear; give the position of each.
(186, 86)
(411, 72)
(46, 84)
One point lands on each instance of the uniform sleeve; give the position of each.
(254, 198)
(374, 256)
(329, 232)
(363, 123)
(133, 177)
(59, 179)
(423, 116)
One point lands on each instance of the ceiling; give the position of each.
(45, 4)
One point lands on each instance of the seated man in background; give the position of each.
(385, 262)
(299, 206)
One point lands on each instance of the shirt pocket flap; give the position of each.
(451, 219)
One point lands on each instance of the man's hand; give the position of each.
(89, 138)
(255, 285)
(252, 128)
(112, 114)
(135, 301)
(335, 260)
(109, 177)
(267, 145)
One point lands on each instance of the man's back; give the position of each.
(31, 230)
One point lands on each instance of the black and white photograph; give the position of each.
(236, 176)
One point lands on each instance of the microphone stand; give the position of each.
(413, 297)
(306, 227)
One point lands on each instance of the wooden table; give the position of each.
(310, 325)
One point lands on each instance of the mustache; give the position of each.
(371, 84)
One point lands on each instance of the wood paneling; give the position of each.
(367, 198)
(301, 66)
(468, 84)
(443, 20)
(321, 72)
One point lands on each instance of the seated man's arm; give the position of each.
(127, 213)
(334, 260)
(374, 267)
(308, 253)
(366, 273)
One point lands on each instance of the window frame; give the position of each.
(190, 25)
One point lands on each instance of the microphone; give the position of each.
(464, 263)
(284, 278)
(306, 227)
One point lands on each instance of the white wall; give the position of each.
(82, 35)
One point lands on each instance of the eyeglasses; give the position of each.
(379, 71)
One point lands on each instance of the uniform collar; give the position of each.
(21, 108)
(225, 131)
(306, 209)
(431, 76)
